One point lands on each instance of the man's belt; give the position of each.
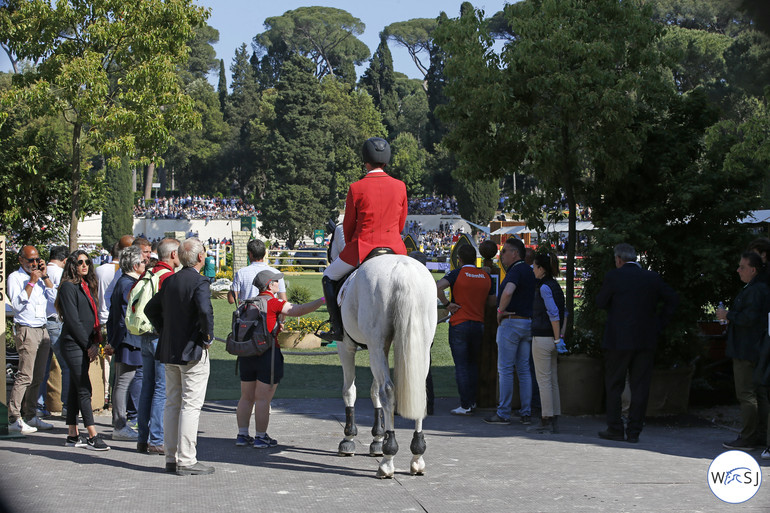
(31, 327)
(514, 316)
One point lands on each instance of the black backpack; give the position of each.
(250, 336)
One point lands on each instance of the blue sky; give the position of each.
(238, 21)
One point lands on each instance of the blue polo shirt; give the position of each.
(521, 275)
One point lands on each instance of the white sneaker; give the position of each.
(40, 424)
(21, 427)
(462, 411)
(125, 433)
(765, 454)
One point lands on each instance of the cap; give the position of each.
(263, 278)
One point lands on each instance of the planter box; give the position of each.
(298, 340)
(670, 391)
(581, 384)
(53, 395)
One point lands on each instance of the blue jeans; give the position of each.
(152, 401)
(514, 342)
(465, 343)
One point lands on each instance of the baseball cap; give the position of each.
(263, 279)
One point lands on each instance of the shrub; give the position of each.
(298, 294)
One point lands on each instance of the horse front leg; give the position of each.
(347, 354)
(417, 466)
(379, 364)
(378, 428)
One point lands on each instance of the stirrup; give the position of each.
(327, 337)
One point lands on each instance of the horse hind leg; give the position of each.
(378, 428)
(387, 393)
(347, 446)
(418, 446)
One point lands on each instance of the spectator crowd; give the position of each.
(195, 207)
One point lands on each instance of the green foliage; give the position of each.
(414, 35)
(116, 81)
(118, 214)
(408, 163)
(298, 294)
(325, 35)
(560, 102)
(477, 199)
(379, 80)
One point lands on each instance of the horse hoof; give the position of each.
(375, 449)
(347, 448)
(381, 474)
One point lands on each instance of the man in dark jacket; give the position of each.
(182, 314)
(747, 324)
(631, 296)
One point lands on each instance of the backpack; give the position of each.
(137, 322)
(249, 336)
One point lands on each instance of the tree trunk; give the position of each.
(76, 180)
(148, 181)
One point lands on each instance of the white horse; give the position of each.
(390, 300)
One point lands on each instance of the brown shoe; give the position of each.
(155, 449)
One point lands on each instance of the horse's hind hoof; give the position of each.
(375, 449)
(347, 448)
(383, 475)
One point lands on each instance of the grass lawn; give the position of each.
(307, 375)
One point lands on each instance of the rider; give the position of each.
(375, 214)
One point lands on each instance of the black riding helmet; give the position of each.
(376, 151)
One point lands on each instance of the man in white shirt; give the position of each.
(29, 291)
(243, 287)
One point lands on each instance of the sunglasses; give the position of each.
(84, 262)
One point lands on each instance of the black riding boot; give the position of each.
(335, 318)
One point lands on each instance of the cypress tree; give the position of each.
(222, 88)
(118, 215)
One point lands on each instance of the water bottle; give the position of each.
(722, 306)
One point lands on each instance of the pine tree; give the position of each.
(118, 218)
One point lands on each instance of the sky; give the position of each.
(238, 21)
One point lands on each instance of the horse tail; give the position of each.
(410, 349)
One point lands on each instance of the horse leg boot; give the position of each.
(389, 449)
(330, 288)
(378, 432)
(417, 466)
(348, 445)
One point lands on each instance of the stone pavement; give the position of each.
(471, 466)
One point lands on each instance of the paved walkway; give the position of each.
(471, 467)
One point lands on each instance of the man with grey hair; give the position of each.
(152, 399)
(631, 296)
(182, 314)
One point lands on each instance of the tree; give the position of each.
(477, 199)
(222, 86)
(298, 150)
(325, 35)
(118, 214)
(560, 102)
(379, 80)
(414, 35)
(34, 177)
(408, 163)
(110, 67)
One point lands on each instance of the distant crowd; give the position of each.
(195, 207)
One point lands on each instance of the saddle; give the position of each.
(347, 279)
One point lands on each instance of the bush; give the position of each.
(298, 294)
